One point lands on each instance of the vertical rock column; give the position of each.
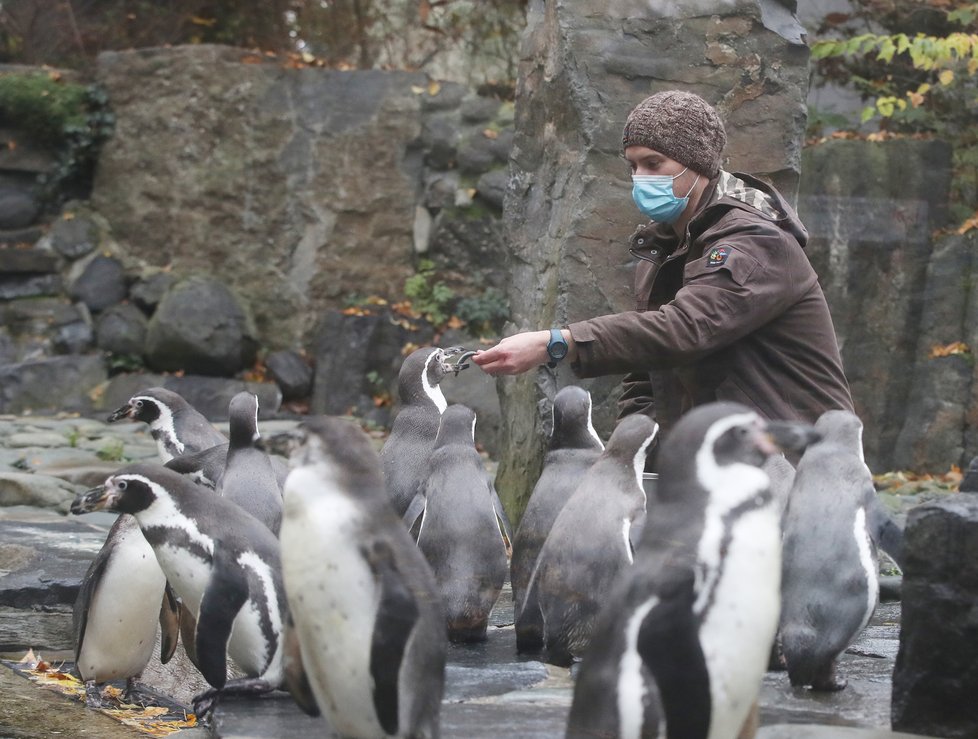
(935, 679)
(568, 211)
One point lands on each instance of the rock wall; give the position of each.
(568, 212)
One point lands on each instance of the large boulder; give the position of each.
(567, 209)
(200, 327)
(58, 385)
(935, 677)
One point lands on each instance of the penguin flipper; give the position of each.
(226, 593)
(397, 615)
(636, 529)
(414, 515)
(679, 670)
(503, 520)
(169, 624)
(296, 680)
(884, 530)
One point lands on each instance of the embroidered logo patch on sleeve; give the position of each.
(717, 256)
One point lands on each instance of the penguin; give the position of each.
(177, 426)
(248, 478)
(574, 447)
(459, 531)
(412, 437)
(833, 526)
(590, 543)
(221, 562)
(366, 610)
(680, 646)
(122, 597)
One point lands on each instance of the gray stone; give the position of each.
(27, 261)
(20, 236)
(447, 96)
(200, 327)
(75, 337)
(29, 286)
(60, 384)
(471, 242)
(478, 109)
(121, 329)
(934, 678)
(74, 237)
(23, 488)
(18, 208)
(440, 189)
(491, 187)
(476, 155)
(440, 137)
(102, 283)
(149, 291)
(291, 373)
(502, 144)
(567, 212)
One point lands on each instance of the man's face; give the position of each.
(645, 161)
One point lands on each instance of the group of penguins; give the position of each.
(342, 574)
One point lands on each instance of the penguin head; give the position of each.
(149, 406)
(572, 427)
(126, 493)
(420, 375)
(724, 446)
(243, 419)
(841, 427)
(457, 426)
(341, 451)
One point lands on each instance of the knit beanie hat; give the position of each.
(681, 125)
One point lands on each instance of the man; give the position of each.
(728, 305)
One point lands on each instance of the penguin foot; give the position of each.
(93, 695)
(132, 694)
(205, 702)
(828, 681)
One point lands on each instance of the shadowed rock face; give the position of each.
(568, 211)
(934, 675)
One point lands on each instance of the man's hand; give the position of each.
(519, 353)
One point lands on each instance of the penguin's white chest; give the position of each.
(123, 614)
(740, 622)
(333, 599)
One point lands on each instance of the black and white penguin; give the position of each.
(249, 478)
(365, 606)
(122, 597)
(220, 561)
(590, 543)
(574, 447)
(681, 644)
(177, 426)
(459, 530)
(832, 527)
(406, 451)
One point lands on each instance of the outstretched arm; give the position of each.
(521, 352)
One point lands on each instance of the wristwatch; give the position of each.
(556, 347)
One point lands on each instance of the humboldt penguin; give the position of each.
(122, 597)
(590, 543)
(248, 478)
(574, 447)
(459, 529)
(405, 452)
(177, 426)
(681, 644)
(366, 610)
(220, 561)
(833, 525)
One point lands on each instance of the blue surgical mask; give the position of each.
(653, 195)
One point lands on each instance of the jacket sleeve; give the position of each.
(750, 272)
(636, 396)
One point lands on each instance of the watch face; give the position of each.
(557, 349)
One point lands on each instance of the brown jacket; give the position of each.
(732, 312)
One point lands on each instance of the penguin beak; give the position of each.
(789, 436)
(95, 499)
(119, 413)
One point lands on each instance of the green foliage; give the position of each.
(431, 298)
(918, 76)
(66, 118)
(118, 363)
(485, 313)
(113, 450)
